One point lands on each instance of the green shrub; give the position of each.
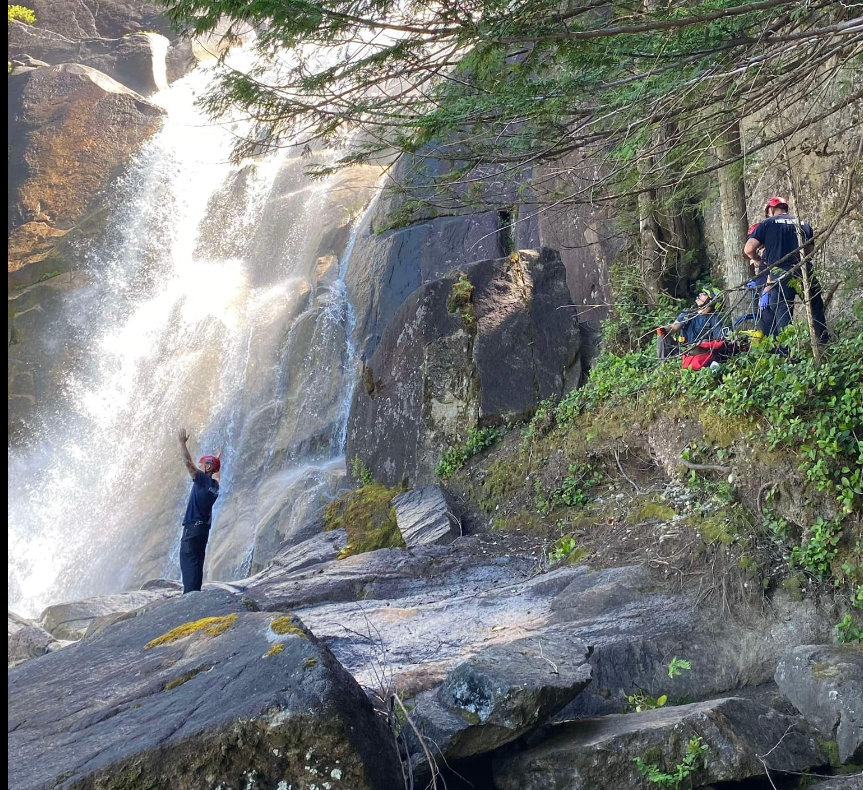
(848, 631)
(361, 472)
(20, 13)
(816, 553)
(454, 459)
(695, 750)
(565, 548)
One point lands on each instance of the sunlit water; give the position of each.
(201, 311)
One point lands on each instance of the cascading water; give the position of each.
(217, 303)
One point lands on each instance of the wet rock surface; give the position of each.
(425, 515)
(825, 683)
(241, 697)
(472, 348)
(65, 25)
(136, 60)
(54, 112)
(598, 754)
(485, 647)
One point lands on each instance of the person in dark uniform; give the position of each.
(774, 246)
(198, 516)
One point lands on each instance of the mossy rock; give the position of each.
(368, 517)
(208, 626)
(285, 625)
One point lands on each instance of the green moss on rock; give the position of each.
(369, 519)
(285, 625)
(208, 626)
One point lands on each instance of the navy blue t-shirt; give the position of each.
(702, 326)
(779, 236)
(205, 492)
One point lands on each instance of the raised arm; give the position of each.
(217, 476)
(190, 464)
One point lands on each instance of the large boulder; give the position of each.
(136, 60)
(599, 754)
(825, 683)
(476, 347)
(85, 22)
(26, 640)
(499, 694)
(197, 694)
(71, 620)
(426, 515)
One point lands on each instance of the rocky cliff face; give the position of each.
(76, 117)
(480, 346)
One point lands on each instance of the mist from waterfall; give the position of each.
(217, 304)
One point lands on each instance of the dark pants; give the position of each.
(192, 548)
(668, 346)
(780, 308)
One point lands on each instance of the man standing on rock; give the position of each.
(781, 238)
(199, 510)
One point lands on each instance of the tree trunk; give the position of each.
(732, 198)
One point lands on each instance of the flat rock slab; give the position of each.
(599, 754)
(26, 640)
(71, 620)
(825, 683)
(320, 548)
(248, 699)
(425, 515)
(499, 694)
(850, 782)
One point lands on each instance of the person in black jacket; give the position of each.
(198, 517)
(774, 246)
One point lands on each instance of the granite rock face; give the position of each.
(425, 515)
(477, 347)
(232, 698)
(62, 25)
(136, 60)
(598, 754)
(26, 640)
(71, 620)
(55, 114)
(499, 694)
(825, 683)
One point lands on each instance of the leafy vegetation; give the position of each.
(640, 701)
(460, 301)
(811, 415)
(497, 84)
(454, 459)
(361, 472)
(20, 13)
(565, 548)
(677, 666)
(695, 751)
(848, 631)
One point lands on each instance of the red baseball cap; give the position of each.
(776, 201)
(213, 460)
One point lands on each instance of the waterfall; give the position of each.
(217, 303)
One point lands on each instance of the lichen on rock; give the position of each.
(209, 626)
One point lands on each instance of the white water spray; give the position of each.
(206, 309)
